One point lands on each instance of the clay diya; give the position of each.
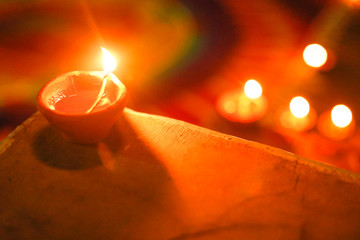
(67, 102)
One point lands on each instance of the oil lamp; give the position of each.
(337, 124)
(299, 116)
(84, 105)
(244, 106)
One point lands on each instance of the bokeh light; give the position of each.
(252, 89)
(341, 116)
(315, 55)
(230, 106)
(299, 107)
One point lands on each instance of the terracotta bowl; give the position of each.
(66, 100)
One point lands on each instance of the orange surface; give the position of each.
(159, 178)
(178, 57)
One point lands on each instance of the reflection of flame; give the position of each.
(252, 89)
(315, 55)
(341, 116)
(299, 107)
(109, 62)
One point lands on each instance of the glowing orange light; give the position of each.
(299, 107)
(109, 62)
(315, 55)
(230, 106)
(354, 3)
(109, 65)
(243, 106)
(299, 116)
(341, 116)
(252, 89)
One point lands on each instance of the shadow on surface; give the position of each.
(131, 194)
(56, 152)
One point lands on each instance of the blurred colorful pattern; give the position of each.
(178, 56)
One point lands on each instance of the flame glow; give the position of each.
(109, 62)
(299, 107)
(230, 106)
(252, 89)
(315, 55)
(341, 116)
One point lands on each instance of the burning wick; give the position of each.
(299, 107)
(299, 117)
(341, 116)
(252, 89)
(337, 124)
(248, 105)
(109, 65)
(315, 55)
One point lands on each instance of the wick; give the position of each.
(100, 95)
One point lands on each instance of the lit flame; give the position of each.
(315, 55)
(299, 107)
(341, 116)
(109, 62)
(252, 89)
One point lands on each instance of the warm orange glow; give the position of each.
(230, 106)
(109, 62)
(252, 89)
(299, 107)
(315, 55)
(354, 3)
(299, 116)
(238, 107)
(341, 116)
(109, 65)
